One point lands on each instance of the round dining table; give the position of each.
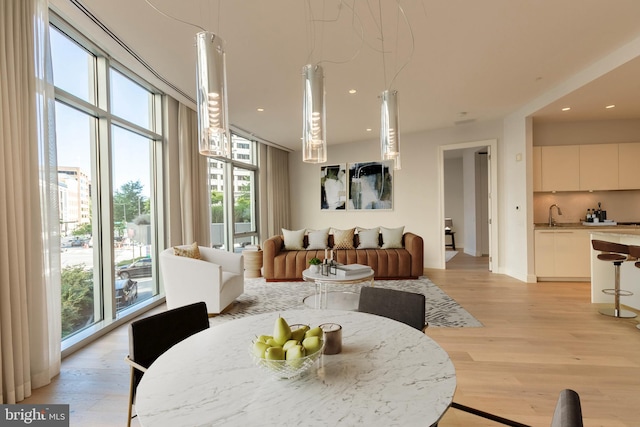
(386, 374)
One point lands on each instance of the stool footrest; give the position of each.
(620, 292)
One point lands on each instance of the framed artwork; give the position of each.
(333, 187)
(370, 186)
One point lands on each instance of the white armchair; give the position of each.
(217, 279)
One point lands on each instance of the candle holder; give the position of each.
(333, 267)
(332, 338)
(325, 269)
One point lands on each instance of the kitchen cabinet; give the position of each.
(628, 176)
(599, 167)
(537, 169)
(560, 166)
(562, 254)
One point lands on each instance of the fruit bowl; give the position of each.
(286, 369)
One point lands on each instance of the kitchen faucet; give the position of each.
(551, 221)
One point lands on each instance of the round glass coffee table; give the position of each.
(341, 300)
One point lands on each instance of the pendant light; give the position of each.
(314, 143)
(389, 128)
(213, 121)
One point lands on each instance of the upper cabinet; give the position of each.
(560, 167)
(586, 167)
(628, 174)
(599, 167)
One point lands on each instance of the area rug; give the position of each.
(262, 297)
(449, 254)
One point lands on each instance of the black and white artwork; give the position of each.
(333, 187)
(370, 186)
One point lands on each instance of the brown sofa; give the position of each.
(284, 265)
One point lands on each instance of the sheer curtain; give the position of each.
(29, 239)
(275, 212)
(194, 191)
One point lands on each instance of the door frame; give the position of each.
(492, 172)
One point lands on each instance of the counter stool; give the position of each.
(634, 251)
(617, 254)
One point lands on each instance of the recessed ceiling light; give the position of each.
(368, 129)
(610, 106)
(260, 110)
(352, 91)
(566, 109)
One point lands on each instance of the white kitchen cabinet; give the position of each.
(599, 167)
(537, 168)
(628, 176)
(562, 254)
(560, 168)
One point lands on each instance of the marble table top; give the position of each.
(387, 374)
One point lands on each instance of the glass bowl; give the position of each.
(286, 369)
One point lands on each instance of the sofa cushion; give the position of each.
(189, 251)
(368, 238)
(343, 239)
(293, 239)
(392, 237)
(318, 239)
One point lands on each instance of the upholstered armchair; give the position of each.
(217, 278)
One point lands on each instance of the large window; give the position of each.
(235, 224)
(108, 141)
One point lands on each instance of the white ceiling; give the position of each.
(472, 60)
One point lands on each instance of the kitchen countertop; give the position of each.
(579, 225)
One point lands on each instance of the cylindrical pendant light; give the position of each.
(213, 122)
(314, 144)
(389, 128)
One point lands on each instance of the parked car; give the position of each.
(126, 292)
(138, 268)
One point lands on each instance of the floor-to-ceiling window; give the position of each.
(234, 213)
(109, 134)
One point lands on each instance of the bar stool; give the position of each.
(634, 251)
(617, 254)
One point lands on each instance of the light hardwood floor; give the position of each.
(537, 339)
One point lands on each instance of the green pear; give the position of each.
(259, 348)
(281, 331)
(298, 334)
(273, 343)
(264, 338)
(312, 344)
(290, 344)
(274, 353)
(313, 332)
(294, 354)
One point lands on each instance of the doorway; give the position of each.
(467, 182)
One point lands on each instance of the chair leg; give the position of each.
(487, 415)
(131, 385)
(617, 292)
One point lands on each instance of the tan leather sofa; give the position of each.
(281, 265)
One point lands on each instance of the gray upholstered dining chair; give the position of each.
(153, 335)
(568, 412)
(403, 306)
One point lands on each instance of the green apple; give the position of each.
(290, 344)
(312, 344)
(274, 353)
(264, 338)
(313, 332)
(294, 354)
(259, 348)
(281, 331)
(298, 334)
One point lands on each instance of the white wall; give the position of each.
(416, 187)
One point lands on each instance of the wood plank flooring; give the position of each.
(537, 339)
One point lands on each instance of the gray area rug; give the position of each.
(262, 297)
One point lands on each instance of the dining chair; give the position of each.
(403, 306)
(568, 412)
(153, 335)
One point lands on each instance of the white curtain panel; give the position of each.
(29, 239)
(277, 190)
(194, 191)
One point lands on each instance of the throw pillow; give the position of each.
(293, 239)
(343, 239)
(368, 238)
(190, 251)
(392, 237)
(318, 239)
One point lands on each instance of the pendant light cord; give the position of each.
(176, 19)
